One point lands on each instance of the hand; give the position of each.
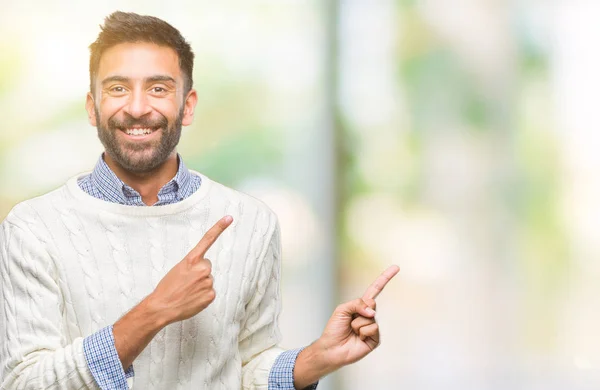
(187, 288)
(350, 334)
(352, 331)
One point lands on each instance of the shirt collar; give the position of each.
(115, 190)
(183, 179)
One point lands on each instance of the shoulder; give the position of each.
(32, 212)
(27, 233)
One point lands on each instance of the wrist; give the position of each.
(311, 365)
(136, 329)
(155, 312)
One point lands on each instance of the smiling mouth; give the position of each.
(138, 131)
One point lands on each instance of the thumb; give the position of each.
(371, 303)
(357, 306)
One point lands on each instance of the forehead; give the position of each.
(138, 61)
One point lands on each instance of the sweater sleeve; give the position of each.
(259, 333)
(35, 352)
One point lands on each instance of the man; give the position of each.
(100, 290)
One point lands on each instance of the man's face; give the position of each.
(139, 106)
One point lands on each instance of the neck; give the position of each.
(147, 184)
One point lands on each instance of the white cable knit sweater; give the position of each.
(71, 264)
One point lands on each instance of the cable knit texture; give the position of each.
(71, 264)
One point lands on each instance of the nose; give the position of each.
(137, 106)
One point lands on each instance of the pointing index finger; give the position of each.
(377, 286)
(211, 236)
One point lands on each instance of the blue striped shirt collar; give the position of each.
(115, 190)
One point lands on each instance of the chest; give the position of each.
(106, 267)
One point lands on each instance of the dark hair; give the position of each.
(128, 27)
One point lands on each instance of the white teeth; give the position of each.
(138, 131)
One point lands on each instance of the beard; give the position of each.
(139, 157)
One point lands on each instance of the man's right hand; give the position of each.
(187, 288)
(183, 292)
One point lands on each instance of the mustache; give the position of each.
(130, 121)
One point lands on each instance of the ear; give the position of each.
(89, 107)
(188, 108)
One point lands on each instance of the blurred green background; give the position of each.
(453, 138)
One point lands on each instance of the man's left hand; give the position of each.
(350, 334)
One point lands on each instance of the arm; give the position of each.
(34, 353)
(183, 292)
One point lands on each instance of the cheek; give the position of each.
(109, 107)
(168, 109)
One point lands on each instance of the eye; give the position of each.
(158, 90)
(117, 89)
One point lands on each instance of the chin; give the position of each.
(146, 164)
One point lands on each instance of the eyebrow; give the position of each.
(151, 79)
(164, 79)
